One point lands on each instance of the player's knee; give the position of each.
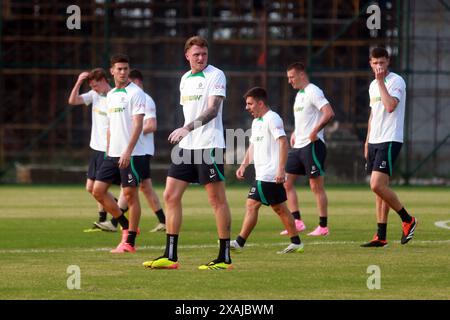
(171, 197)
(252, 207)
(288, 185)
(217, 202)
(90, 189)
(98, 194)
(316, 188)
(375, 187)
(144, 188)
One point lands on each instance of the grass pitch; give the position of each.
(41, 235)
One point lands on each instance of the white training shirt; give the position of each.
(266, 151)
(99, 119)
(195, 89)
(385, 126)
(150, 112)
(123, 104)
(307, 105)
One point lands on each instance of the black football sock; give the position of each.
(295, 240)
(171, 247)
(114, 222)
(224, 251)
(161, 216)
(102, 216)
(297, 215)
(382, 230)
(240, 241)
(323, 221)
(123, 222)
(404, 215)
(131, 239)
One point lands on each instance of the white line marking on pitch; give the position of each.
(193, 246)
(442, 224)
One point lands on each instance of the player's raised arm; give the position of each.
(75, 97)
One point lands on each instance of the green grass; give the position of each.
(41, 235)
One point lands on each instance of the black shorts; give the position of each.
(268, 193)
(147, 170)
(382, 156)
(198, 166)
(130, 176)
(309, 160)
(95, 163)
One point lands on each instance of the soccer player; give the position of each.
(201, 140)
(98, 82)
(126, 159)
(387, 94)
(312, 113)
(268, 149)
(145, 187)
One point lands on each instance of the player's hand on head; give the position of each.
(83, 76)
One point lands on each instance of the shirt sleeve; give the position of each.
(318, 99)
(218, 85)
(150, 106)
(397, 89)
(276, 127)
(87, 97)
(138, 103)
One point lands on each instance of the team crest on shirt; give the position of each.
(200, 86)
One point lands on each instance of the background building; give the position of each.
(42, 139)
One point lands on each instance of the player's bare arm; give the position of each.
(327, 116)
(245, 163)
(283, 147)
(366, 144)
(75, 98)
(125, 158)
(210, 113)
(292, 140)
(389, 102)
(150, 125)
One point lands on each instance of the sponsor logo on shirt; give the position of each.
(99, 112)
(196, 97)
(259, 139)
(115, 110)
(298, 109)
(375, 100)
